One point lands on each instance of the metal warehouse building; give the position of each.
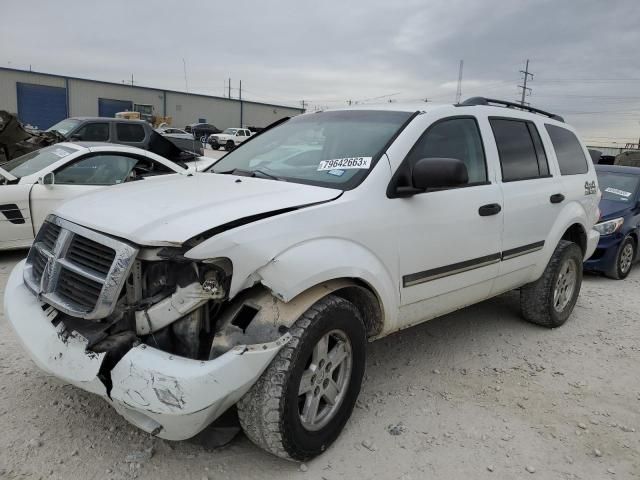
(42, 99)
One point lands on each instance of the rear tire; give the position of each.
(550, 300)
(300, 404)
(624, 260)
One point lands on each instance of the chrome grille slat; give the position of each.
(77, 270)
(91, 274)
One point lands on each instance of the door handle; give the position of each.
(490, 209)
(556, 198)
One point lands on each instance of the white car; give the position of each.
(175, 132)
(34, 184)
(229, 139)
(258, 283)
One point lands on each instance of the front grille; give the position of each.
(77, 270)
(39, 262)
(78, 289)
(49, 234)
(90, 254)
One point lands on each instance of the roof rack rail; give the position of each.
(488, 101)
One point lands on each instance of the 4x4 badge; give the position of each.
(590, 188)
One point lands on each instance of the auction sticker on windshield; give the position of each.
(616, 191)
(345, 163)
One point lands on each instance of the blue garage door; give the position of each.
(108, 107)
(40, 105)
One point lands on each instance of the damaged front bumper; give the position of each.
(166, 395)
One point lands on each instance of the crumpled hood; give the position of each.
(173, 208)
(610, 209)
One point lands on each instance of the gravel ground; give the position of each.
(477, 394)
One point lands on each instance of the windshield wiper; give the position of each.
(251, 173)
(268, 175)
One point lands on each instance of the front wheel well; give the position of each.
(367, 303)
(576, 234)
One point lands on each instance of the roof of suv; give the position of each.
(107, 119)
(497, 107)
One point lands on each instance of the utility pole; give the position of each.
(132, 79)
(240, 97)
(186, 83)
(524, 87)
(459, 90)
(304, 105)
(229, 88)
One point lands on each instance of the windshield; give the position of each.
(330, 149)
(230, 131)
(35, 161)
(65, 126)
(617, 186)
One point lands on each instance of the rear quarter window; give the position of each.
(522, 156)
(569, 152)
(128, 132)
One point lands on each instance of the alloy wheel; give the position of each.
(325, 380)
(565, 285)
(626, 257)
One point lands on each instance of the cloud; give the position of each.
(583, 52)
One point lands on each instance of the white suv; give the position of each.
(259, 282)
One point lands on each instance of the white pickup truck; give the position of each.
(229, 139)
(258, 282)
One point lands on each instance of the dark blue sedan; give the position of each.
(619, 223)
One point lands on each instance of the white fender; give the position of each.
(311, 263)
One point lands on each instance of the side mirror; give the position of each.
(438, 173)
(48, 179)
(430, 173)
(75, 137)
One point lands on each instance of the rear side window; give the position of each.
(457, 138)
(128, 132)
(522, 156)
(571, 158)
(93, 132)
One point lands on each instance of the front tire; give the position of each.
(624, 260)
(550, 300)
(300, 404)
(228, 146)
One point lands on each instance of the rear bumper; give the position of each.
(163, 394)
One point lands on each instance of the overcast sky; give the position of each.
(584, 54)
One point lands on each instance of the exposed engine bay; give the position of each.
(181, 307)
